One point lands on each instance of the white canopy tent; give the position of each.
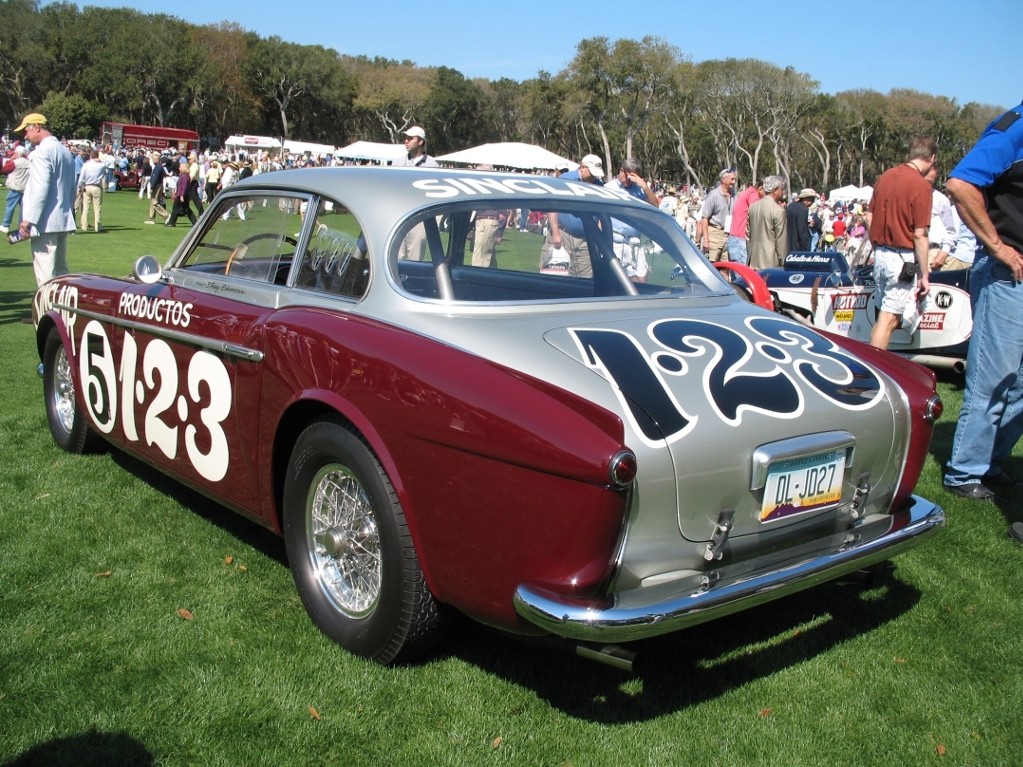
(249, 143)
(509, 154)
(369, 150)
(301, 147)
(850, 193)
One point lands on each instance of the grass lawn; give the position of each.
(141, 624)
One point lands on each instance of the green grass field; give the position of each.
(141, 624)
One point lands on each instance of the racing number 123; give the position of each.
(160, 380)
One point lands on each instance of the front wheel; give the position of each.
(66, 420)
(350, 550)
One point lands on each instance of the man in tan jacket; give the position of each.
(767, 228)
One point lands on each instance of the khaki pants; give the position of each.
(718, 239)
(49, 256)
(579, 251)
(92, 196)
(954, 263)
(486, 236)
(413, 247)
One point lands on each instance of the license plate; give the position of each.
(804, 484)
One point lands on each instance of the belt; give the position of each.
(716, 226)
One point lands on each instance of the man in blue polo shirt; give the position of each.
(566, 230)
(987, 187)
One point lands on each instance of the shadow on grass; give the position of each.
(693, 666)
(246, 529)
(672, 672)
(15, 304)
(89, 749)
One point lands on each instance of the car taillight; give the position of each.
(934, 408)
(623, 468)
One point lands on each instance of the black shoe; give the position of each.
(975, 491)
(1016, 531)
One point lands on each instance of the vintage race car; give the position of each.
(568, 454)
(821, 288)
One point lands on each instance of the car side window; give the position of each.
(252, 238)
(335, 260)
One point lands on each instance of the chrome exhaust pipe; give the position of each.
(954, 364)
(611, 655)
(868, 578)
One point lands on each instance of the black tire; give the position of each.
(350, 550)
(68, 422)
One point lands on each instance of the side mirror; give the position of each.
(147, 270)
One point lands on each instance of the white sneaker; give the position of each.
(4, 229)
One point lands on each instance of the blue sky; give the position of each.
(966, 49)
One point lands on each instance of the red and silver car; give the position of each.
(372, 363)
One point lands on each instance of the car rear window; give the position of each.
(510, 254)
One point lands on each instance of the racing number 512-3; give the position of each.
(159, 385)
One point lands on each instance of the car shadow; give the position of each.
(689, 667)
(671, 673)
(245, 529)
(87, 749)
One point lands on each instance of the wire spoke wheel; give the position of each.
(344, 545)
(351, 553)
(66, 420)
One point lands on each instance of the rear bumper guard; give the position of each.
(644, 612)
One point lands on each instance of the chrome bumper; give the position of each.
(644, 612)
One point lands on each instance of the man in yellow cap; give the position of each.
(49, 194)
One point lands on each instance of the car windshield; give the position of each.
(573, 251)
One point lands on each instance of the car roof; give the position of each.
(411, 188)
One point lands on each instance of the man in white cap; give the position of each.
(415, 150)
(715, 219)
(565, 230)
(413, 247)
(46, 214)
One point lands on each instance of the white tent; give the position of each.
(301, 147)
(252, 142)
(509, 154)
(850, 193)
(369, 150)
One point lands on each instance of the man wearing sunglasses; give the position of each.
(716, 217)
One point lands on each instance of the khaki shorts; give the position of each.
(895, 296)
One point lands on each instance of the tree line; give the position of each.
(624, 98)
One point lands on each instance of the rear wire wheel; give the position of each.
(350, 551)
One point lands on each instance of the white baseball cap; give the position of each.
(594, 165)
